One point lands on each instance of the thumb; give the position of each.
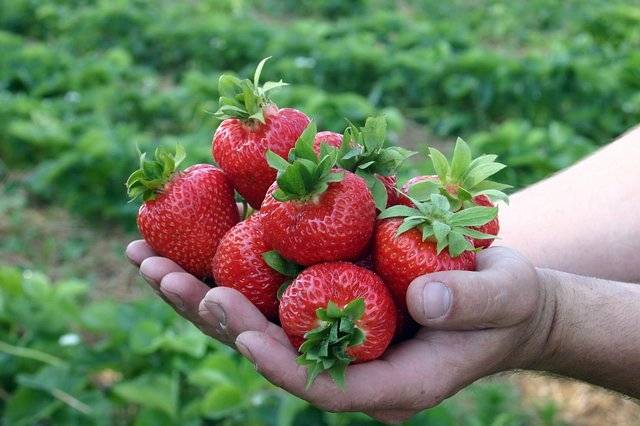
(503, 291)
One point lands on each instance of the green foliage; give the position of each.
(82, 82)
(67, 359)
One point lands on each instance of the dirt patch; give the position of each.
(578, 403)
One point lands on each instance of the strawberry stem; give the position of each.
(465, 177)
(152, 175)
(365, 152)
(325, 347)
(245, 99)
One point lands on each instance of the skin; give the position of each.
(509, 314)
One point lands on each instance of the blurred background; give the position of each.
(82, 341)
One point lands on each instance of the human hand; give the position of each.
(475, 324)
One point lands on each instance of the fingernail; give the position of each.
(218, 313)
(436, 298)
(245, 352)
(174, 298)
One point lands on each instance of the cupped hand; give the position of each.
(474, 324)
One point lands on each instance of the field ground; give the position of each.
(50, 239)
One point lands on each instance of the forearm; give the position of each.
(593, 331)
(584, 220)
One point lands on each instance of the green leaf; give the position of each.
(461, 160)
(398, 211)
(153, 390)
(474, 234)
(440, 164)
(145, 337)
(270, 85)
(422, 191)
(441, 232)
(355, 309)
(276, 162)
(374, 132)
(495, 195)
(256, 75)
(480, 173)
(377, 188)
(440, 202)
(280, 264)
(291, 180)
(223, 400)
(458, 244)
(473, 216)
(407, 224)
(304, 145)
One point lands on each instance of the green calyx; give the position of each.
(325, 347)
(149, 180)
(465, 177)
(304, 176)
(283, 266)
(243, 98)
(438, 222)
(365, 152)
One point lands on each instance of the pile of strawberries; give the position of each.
(329, 245)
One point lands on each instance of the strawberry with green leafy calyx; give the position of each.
(464, 181)
(252, 124)
(315, 212)
(336, 314)
(185, 213)
(425, 238)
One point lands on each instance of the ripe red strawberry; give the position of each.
(431, 238)
(315, 213)
(464, 182)
(185, 214)
(336, 314)
(400, 259)
(330, 138)
(241, 263)
(491, 228)
(252, 125)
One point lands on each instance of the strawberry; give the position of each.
(184, 214)
(315, 213)
(336, 314)
(332, 139)
(245, 261)
(251, 125)
(430, 238)
(464, 182)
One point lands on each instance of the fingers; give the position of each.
(229, 313)
(502, 292)
(184, 292)
(375, 385)
(137, 251)
(154, 268)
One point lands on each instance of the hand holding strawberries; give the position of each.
(327, 202)
(476, 324)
